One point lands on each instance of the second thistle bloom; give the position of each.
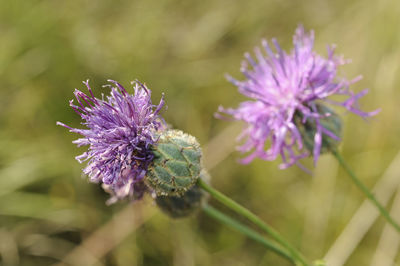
(287, 91)
(120, 131)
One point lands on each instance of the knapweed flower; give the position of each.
(120, 130)
(286, 89)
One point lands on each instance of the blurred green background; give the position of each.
(49, 213)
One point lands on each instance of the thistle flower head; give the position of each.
(282, 86)
(120, 130)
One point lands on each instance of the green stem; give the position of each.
(216, 214)
(366, 191)
(253, 218)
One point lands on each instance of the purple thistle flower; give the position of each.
(282, 86)
(120, 131)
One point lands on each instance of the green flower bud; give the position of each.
(182, 206)
(176, 165)
(331, 121)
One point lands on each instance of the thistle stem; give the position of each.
(366, 191)
(296, 255)
(216, 214)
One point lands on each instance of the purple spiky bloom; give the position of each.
(120, 131)
(283, 85)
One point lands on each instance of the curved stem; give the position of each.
(366, 191)
(253, 218)
(216, 214)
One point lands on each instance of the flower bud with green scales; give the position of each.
(182, 206)
(176, 165)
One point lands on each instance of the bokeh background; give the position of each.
(50, 214)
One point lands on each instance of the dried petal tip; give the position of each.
(120, 129)
(182, 206)
(176, 165)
